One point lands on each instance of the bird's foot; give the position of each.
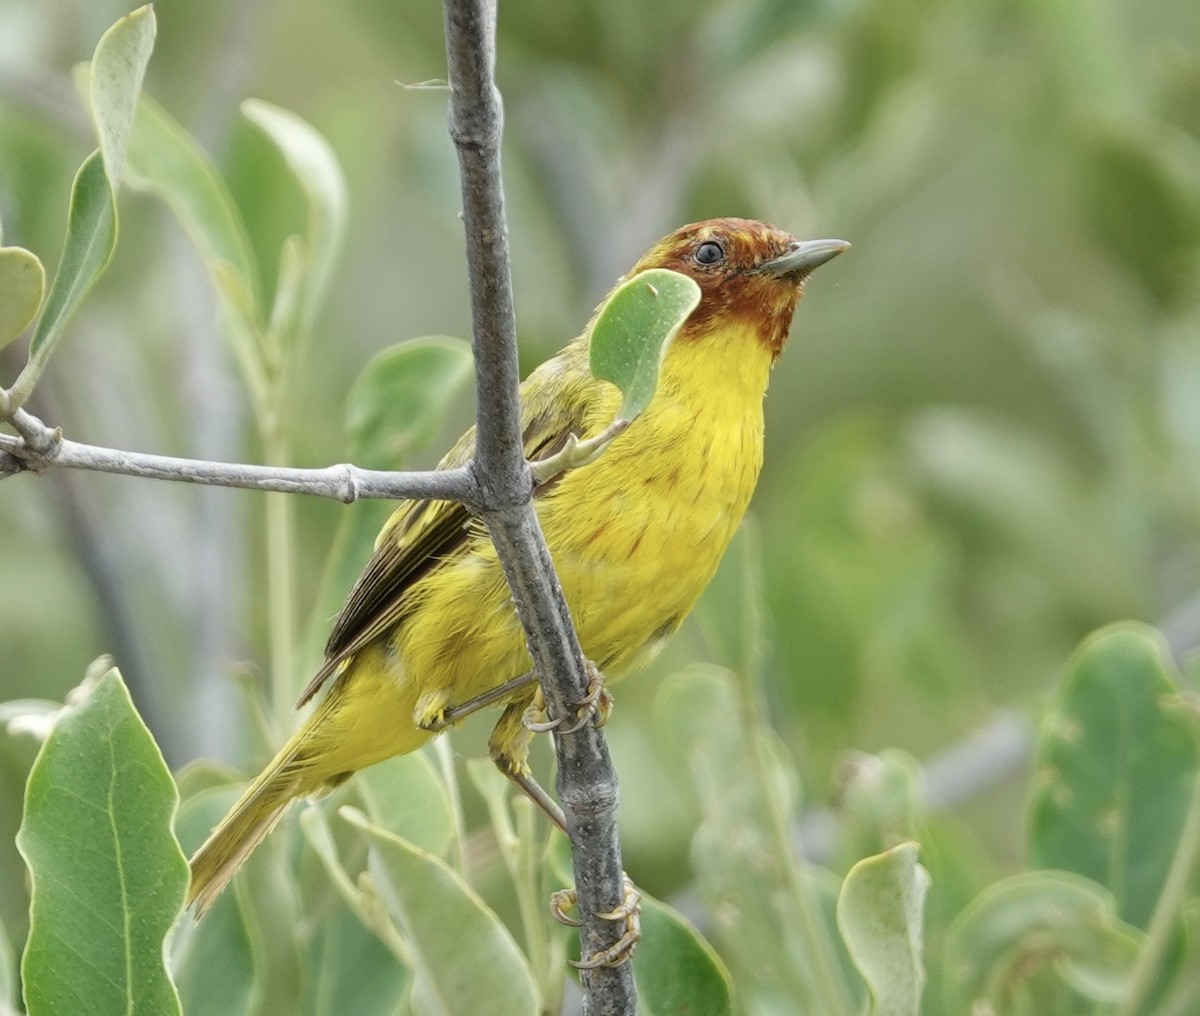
(596, 706)
(628, 913)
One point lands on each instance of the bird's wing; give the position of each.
(421, 534)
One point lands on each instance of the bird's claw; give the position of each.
(629, 912)
(596, 706)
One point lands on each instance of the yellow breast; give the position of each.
(637, 535)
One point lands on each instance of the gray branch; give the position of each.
(587, 783)
(39, 448)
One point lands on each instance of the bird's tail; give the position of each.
(248, 822)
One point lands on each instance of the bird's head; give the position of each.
(749, 273)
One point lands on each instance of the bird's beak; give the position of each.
(802, 257)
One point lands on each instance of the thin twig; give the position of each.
(41, 448)
(587, 784)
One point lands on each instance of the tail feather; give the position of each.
(248, 822)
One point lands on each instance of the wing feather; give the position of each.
(420, 535)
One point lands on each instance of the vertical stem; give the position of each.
(445, 757)
(525, 869)
(820, 950)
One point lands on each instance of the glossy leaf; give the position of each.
(678, 973)
(22, 283)
(108, 874)
(880, 914)
(314, 165)
(1029, 922)
(1116, 765)
(633, 330)
(118, 67)
(464, 959)
(91, 238)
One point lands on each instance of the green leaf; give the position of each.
(406, 796)
(314, 165)
(678, 973)
(880, 801)
(218, 943)
(165, 160)
(221, 941)
(771, 911)
(635, 326)
(464, 959)
(22, 282)
(118, 67)
(397, 403)
(1031, 921)
(394, 408)
(351, 971)
(1116, 763)
(108, 874)
(91, 238)
(879, 913)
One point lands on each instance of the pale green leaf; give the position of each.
(108, 874)
(118, 67)
(880, 799)
(677, 971)
(314, 165)
(776, 918)
(165, 160)
(91, 238)
(464, 959)
(22, 283)
(630, 336)
(351, 971)
(358, 961)
(1116, 763)
(1031, 921)
(880, 916)
(398, 401)
(406, 795)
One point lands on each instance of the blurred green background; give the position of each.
(981, 442)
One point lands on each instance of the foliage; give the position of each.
(980, 448)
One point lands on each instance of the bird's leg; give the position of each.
(628, 912)
(509, 749)
(452, 714)
(596, 705)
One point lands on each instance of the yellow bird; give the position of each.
(635, 536)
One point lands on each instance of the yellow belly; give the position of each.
(635, 537)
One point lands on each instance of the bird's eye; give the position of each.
(709, 253)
